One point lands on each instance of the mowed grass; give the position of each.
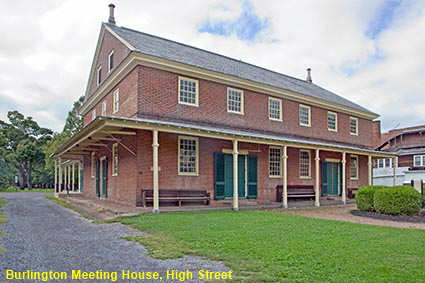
(264, 246)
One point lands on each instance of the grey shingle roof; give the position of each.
(182, 53)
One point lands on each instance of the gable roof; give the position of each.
(182, 53)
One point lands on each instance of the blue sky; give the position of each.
(368, 51)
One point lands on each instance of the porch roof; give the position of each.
(102, 126)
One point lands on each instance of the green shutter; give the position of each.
(228, 175)
(252, 177)
(97, 178)
(81, 179)
(324, 178)
(241, 176)
(105, 178)
(219, 176)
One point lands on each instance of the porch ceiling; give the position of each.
(104, 128)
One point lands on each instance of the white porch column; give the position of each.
(285, 177)
(60, 174)
(235, 175)
(316, 187)
(68, 174)
(344, 190)
(155, 146)
(79, 176)
(73, 176)
(65, 177)
(369, 170)
(56, 176)
(395, 165)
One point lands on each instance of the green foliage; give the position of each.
(364, 197)
(401, 200)
(264, 246)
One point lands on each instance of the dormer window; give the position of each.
(111, 61)
(99, 75)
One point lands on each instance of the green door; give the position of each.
(330, 178)
(252, 177)
(223, 175)
(104, 178)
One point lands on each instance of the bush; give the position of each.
(400, 200)
(364, 197)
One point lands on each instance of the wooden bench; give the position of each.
(351, 192)
(295, 191)
(177, 196)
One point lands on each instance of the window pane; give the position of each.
(188, 156)
(304, 115)
(331, 121)
(274, 109)
(188, 91)
(353, 167)
(353, 125)
(274, 157)
(234, 100)
(304, 164)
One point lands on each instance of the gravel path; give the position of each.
(342, 213)
(43, 236)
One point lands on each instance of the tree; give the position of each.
(24, 141)
(73, 124)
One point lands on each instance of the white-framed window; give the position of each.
(188, 91)
(93, 114)
(188, 156)
(93, 164)
(116, 101)
(354, 126)
(354, 167)
(275, 164)
(111, 61)
(104, 108)
(419, 160)
(305, 164)
(99, 75)
(305, 115)
(384, 162)
(115, 159)
(235, 101)
(332, 121)
(275, 109)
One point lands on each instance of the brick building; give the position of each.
(161, 115)
(409, 145)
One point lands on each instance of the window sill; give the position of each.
(275, 177)
(188, 174)
(188, 104)
(274, 119)
(235, 112)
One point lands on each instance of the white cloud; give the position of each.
(47, 48)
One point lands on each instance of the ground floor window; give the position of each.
(188, 156)
(275, 162)
(354, 167)
(115, 159)
(305, 164)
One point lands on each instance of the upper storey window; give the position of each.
(235, 101)
(111, 61)
(419, 160)
(188, 91)
(354, 126)
(332, 121)
(116, 101)
(384, 163)
(93, 115)
(275, 109)
(305, 115)
(99, 75)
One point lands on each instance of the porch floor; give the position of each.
(101, 209)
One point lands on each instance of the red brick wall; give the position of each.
(128, 100)
(108, 43)
(163, 87)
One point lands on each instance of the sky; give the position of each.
(369, 51)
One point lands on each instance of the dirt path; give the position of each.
(342, 213)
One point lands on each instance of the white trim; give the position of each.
(336, 121)
(123, 41)
(104, 108)
(242, 112)
(114, 147)
(116, 101)
(99, 76)
(357, 167)
(357, 125)
(421, 161)
(309, 115)
(93, 114)
(136, 58)
(280, 162)
(109, 61)
(280, 119)
(196, 173)
(93, 165)
(309, 164)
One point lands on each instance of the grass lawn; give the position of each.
(264, 246)
(14, 190)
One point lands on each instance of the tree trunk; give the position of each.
(21, 176)
(29, 177)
